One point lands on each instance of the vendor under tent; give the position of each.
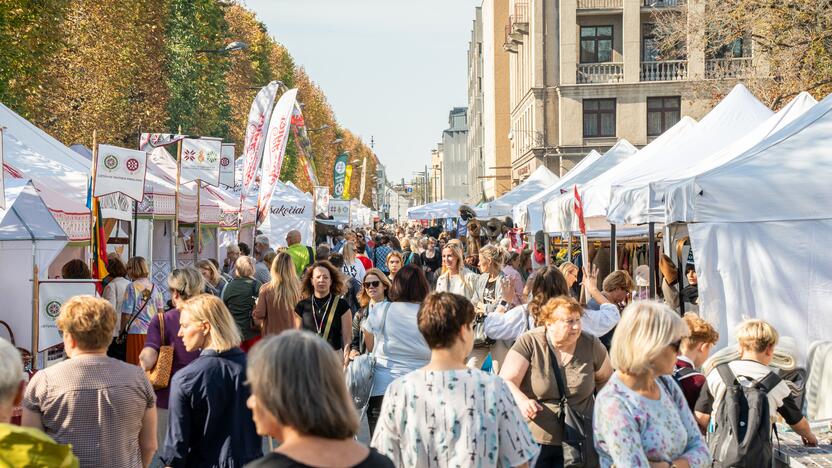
(761, 230)
(501, 207)
(529, 213)
(29, 236)
(632, 200)
(559, 210)
(436, 210)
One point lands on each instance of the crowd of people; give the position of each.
(474, 360)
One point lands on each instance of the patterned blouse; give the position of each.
(134, 298)
(632, 431)
(451, 419)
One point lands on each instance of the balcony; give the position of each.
(727, 68)
(599, 4)
(512, 40)
(519, 21)
(598, 73)
(662, 3)
(668, 70)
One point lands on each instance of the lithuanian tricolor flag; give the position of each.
(98, 241)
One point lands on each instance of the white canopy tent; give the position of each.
(559, 210)
(289, 209)
(502, 206)
(29, 235)
(435, 210)
(591, 166)
(632, 200)
(761, 231)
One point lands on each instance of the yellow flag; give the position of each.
(347, 178)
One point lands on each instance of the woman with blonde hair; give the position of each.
(183, 284)
(570, 274)
(299, 397)
(102, 406)
(275, 308)
(556, 352)
(209, 422)
(352, 265)
(214, 282)
(455, 278)
(641, 416)
(141, 303)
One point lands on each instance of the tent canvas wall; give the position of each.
(29, 235)
(289, 209)
(539, 180)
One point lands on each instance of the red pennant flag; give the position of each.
(579, 210)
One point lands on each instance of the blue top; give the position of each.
(379, 257)
(209, 424)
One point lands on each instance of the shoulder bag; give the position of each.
(122, 337)
(159, 376)
(361, 370)
(577, 443)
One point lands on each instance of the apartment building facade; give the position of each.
(475, 189)
(584, 73)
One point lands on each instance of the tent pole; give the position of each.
(680, 246)
(569, 249)
(35, 313)
(651, 257)
(175, 233)
(197, 233)
(93, 170)
(613, 249)
(134, 227)
(546, 260)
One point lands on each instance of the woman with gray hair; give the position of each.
(641, 415)
(183, 284)
(299, 397)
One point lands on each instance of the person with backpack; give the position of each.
(641, 417)
(693, 352)
(743, 397)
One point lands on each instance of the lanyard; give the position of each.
(320, 325)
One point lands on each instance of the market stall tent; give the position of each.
(538, 181)
(761, 231)
(29, 235)
(289, 209)
(435, 210)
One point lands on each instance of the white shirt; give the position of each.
(509, 326)
(453, 284)
(114, 293)
(747, 372)
(401, 349)
(356, 270)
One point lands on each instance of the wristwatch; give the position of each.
(504, 303)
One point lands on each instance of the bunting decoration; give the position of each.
(258, 122)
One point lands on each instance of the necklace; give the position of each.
(319, 325)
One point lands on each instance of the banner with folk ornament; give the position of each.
(149, 141)
(120, 170)
(201, 160)
(276, 140)
(227, 165)
(52, 294)
(258, 121)
(339, 171)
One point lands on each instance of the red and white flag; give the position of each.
(258, 121)
(579, 211)
(276, 140)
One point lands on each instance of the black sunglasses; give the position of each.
(676, 345)
(371, 284)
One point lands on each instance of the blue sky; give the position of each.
(391, 69)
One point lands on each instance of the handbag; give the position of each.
(159, 376)
(122, 337)
(360, 372)
(577, 443)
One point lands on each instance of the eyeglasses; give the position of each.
(371, 284)
(676, 345)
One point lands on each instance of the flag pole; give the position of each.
(198, 234)
(175, 232)
(94, 170)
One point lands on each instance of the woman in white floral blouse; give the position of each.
(446, 414)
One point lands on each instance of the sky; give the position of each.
(391, 69)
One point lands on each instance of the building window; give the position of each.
(596, 44)
(735, 49)
(599, 118)
(649, 49)
(662, 113)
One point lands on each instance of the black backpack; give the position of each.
(742, 422)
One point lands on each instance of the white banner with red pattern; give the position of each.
(120, 170)
(258, 121)
(276, 140)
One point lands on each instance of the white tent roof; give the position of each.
(26, 217)
(435, 210)
(590, 167)
(559, 210)
(539, 180)
(679, 194)
(784, 177)
(631, 199)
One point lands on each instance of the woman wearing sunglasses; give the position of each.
(373, 291)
